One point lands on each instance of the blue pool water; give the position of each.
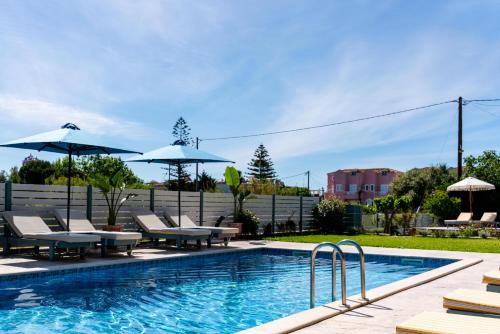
(220, 293)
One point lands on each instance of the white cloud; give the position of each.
(368, 80)
(36, 114)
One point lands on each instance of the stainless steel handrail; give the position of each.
(361, 264)
(336, 249)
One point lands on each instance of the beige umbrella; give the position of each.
(470, 184)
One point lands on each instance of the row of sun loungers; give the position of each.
(469, 312)
(463, 220)
(28, 229)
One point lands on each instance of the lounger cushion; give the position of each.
(446, 323)
(147, 220)
(186, 222)
(79, 223)
(78, 220)
(64, 236)
(473, 301)
(183, 231)
(150, 223)
(133, 236)
(488, 217)
(463, 217)
(25, 222)
(492, 277)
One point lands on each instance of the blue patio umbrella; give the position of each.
(70, 140)
(178, 154)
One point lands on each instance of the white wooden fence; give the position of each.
(45, 198)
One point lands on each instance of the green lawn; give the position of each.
(449, 244)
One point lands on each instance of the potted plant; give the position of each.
(233, 181)
(112, 188)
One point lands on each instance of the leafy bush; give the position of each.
(420, 182)
(328, 215)
(35, 171)
(439, 233)
(250, 222)
(452, 234)
(468, 232)
(423, 233)
(441, 205)
(485, 234)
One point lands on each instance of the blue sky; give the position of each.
(128, 69)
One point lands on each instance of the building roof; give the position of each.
(379, 170)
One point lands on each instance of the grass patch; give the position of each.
(448, 244)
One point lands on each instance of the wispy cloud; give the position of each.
(41, 115)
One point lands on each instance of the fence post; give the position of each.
(273, 213)
(152, 199)
(8, 195)
(301, 206)
(201, 208)
(89, 203)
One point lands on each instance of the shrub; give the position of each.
(423, 233)
(439, 233)
(441, 205)
(468, 232)
(484, 234)
(328, 215)
(250, 222)
(452, 234)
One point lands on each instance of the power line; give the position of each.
(481, 100)
(330, 124)
(289, 177)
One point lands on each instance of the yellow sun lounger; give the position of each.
(473, 301)
(446, 323)
(492, 278)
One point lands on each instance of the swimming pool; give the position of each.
(217, 293)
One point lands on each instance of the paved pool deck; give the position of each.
(383, 315)
(380, 316)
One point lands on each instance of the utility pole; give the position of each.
(196, 178)
(460, 150)
(308, 176)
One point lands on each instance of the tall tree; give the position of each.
(421, 182)
(35, 171)
(182, 134)
(261, 165)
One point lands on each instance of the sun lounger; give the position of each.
(446, 323)
(80, 224)
(152, 227)
(28, 229)
(492, 278)
(487, 219)
(218, 233)
(473, 301)
(463, 219)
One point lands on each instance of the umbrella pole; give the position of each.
(179, 192)
(69, 191)
(470, 200)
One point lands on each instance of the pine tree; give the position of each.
(182, 135)
(182, 132)
(261, 166)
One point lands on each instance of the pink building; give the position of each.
(360, 185)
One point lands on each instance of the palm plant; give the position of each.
(112, 187)
(233, 181)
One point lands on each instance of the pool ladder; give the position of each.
(336, 249)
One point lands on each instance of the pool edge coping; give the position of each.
(315, 315)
